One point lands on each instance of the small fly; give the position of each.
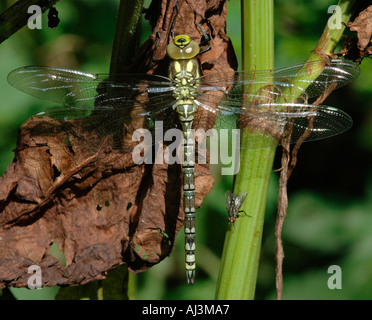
(233, 204)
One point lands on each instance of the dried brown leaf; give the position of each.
(363, 26)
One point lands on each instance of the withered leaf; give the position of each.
(363, 26)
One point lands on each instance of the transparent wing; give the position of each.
(282, 120)
(108, 127)
(79, 89)
(228, 197)
(75, 127)
(242, 197)
(289, 84)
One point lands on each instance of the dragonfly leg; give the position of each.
(206, 37)
(156, 46)
(174, 20)
(159, 37)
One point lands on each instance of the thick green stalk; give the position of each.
(238, 273)
(126, 35)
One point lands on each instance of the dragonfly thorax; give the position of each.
(184, 67)
(184, 73)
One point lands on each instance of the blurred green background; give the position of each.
(329, 218)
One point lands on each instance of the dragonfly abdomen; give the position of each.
(186, 118)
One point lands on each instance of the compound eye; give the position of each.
(182, 47)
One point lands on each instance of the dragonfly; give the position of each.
(233, 204)
(265, 100)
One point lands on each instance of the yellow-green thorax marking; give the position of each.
(184, 68)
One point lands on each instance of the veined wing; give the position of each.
(284, 120)
(104, 127)
(289, 84)
(84, 90)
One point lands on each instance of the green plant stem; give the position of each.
(126, 35)
(132, 286)
(238, 273)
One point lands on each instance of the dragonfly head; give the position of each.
(182, 47)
